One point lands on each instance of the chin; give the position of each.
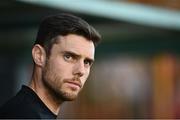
(68, 96)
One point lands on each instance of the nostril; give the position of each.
(80, 74)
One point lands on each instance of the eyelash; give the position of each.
(89, 62)
(70, 58)
(67, 57)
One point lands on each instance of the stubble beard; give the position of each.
(54, 84)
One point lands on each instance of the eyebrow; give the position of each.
(77, 55)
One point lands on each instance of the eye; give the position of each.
(68, 57)
(88, 62)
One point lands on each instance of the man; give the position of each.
(63, 54)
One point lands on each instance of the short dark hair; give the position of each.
(64, 24)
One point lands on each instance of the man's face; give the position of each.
(68, 66)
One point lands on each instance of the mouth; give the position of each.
(74, 84)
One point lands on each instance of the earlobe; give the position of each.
(39, 55)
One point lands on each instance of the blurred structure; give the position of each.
(170, 4)
(136, 73)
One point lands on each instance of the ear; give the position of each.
(39, 55)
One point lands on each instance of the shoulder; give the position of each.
(18, 107)
(14, 109)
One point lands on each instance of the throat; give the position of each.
(52, 103)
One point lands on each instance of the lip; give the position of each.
(74, 83)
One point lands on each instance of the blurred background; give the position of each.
(137, 68)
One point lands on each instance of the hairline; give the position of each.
(57, 39)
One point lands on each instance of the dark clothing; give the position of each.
(26, 104)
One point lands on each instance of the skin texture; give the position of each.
(61, 76)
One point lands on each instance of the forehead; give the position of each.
(77, 44)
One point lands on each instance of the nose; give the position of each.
(79, 69)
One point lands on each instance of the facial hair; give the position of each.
(53, 82)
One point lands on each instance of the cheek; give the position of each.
(61, 67)
(85, 77)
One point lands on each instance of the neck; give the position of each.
(47, 98)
